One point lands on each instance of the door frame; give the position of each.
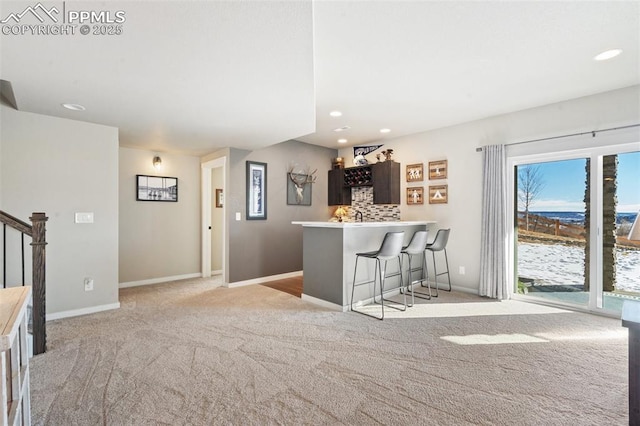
(595, 154)
(207, 199)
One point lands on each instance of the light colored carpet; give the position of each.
(188, 353)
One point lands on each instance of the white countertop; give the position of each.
(363, 224)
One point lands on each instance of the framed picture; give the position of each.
(415, 172)
(298, 189)
(219, 198)
(156, 188)
(415, 195)
(438, 194)
(438, 169)
(256, 190)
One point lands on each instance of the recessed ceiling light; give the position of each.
(385, 130)
(342, 141)
(607, 54)
(74, 107)
(341, 129)
(335, 114)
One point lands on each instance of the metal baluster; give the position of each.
(22, 237)
(4, 255)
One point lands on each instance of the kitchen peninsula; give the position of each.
(329, 256)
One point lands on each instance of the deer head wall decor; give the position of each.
(300, 178)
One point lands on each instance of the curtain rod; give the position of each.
(592, 133)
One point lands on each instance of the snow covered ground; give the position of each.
(557, 264)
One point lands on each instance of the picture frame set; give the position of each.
(156, 188)
(438, 194)
(256, 184)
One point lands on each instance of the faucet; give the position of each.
(358, 212)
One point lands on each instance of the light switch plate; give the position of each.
(84, 217)
(238, 216)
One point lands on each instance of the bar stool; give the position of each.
(416, 247)
(439, 244)
(389, 249)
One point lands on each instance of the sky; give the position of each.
(564, 183)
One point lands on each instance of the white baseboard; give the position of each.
(217, 272)
(465, 289)
(159, 280)
(83, 311)
(265, 279)
(324, 303)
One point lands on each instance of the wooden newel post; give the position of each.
(39, 244)
(631, 320)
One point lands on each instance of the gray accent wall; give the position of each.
(61, 167)
(261, 248)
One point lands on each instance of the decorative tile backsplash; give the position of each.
(362, 200)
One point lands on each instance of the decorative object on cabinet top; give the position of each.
(359, 153)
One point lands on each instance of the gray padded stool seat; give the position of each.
(389, 249)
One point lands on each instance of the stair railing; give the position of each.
(37, 232)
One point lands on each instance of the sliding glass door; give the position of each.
(572, 216)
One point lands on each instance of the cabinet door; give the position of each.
(386, 183)
(338, 194)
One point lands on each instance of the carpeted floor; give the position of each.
(191, 353)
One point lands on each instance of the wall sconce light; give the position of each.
(157, 162)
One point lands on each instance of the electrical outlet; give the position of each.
(84, 217)
(88, 284)
(238, 216)
(461, 270)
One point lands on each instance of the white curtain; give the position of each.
(493, 255)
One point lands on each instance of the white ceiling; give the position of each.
(193, 77)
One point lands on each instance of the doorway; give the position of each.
(214, 222)
(572, 215)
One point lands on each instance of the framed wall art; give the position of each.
(438, 194)
(256, 191)
(298, 189)
(415, 172)
(156, 188)
(438, 169)
(219, 198)
(415, 195)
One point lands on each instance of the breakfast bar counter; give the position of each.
(329, 255)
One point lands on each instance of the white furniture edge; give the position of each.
(362, 224)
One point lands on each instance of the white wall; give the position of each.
(60, 167)
(457, 144)
(159, 240)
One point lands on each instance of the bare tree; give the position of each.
(530, 184)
